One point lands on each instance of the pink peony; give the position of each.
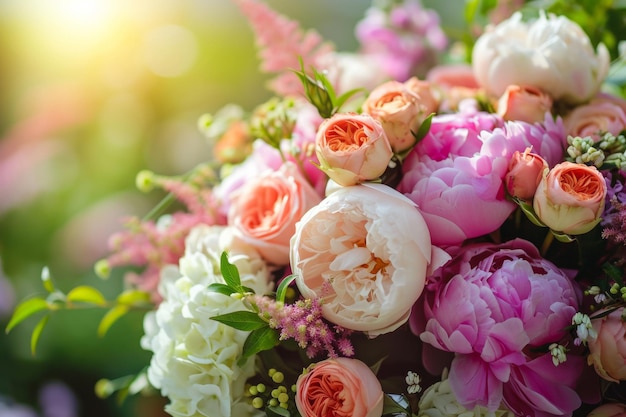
(494, 307)
(461, 163)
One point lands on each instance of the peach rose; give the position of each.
(600, 115)
(352, 148)
(524, 174)
(266, 209)
(456, 82)
(365, 251)
(607, 353)
(609, 410)
(340, 387)
(401, 108)
(570, 198)
(524, 103)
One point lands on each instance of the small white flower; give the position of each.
(413, 381)
(584, 328)
(558, 353)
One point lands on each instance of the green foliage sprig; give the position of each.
(81, 297)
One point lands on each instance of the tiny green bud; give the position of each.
(275, 393)
(145, 181)
(271, 372)
(253, 390)
(273, 402)
(278, 377)
(294, 388)
(102, 269)
(284, 405)
(104, 388)
(257, 402)
(283, 397)
(261, 388)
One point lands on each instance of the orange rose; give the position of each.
(524, 174)
(352, 148)
(401, 108)
(524, 103)
(265, 211)
(570, 198)
(607, 352)
(339, 387)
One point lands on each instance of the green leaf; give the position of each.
(133, 297)
(275, 411)
(86, 294)
(111, 317)
(392, 407)
(47, 280)
(528, 210)
(282, 288)
(230, 273)
(563, 237)
(26, 309)
(34, 337)
(221, 288)
(241, 320)
(258, 340)
(422, 131)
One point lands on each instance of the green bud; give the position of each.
(102, 269)
(257, 402)
(145, 181)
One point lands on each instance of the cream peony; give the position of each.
(194, 358)
(550, 53)
(365, 251)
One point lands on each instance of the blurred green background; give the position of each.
(94, 91)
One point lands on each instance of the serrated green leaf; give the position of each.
(241, 320)
(221, 288)
(34, 337)
(111, 317)
(47, 279)
(275, 411)
(258, 340)
(26, 309)
(86, 294)
(282, 288)
(133, 297)
(230, 273)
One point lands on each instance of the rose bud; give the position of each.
(524, 103)
(570, 198)
(352, 148)
(524, 174)
(401, 108)
(607, 352)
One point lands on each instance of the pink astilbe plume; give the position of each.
(281, 43)
(302, 322)
(152, 245)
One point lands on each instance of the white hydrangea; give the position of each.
(194, 358)
(439, 401)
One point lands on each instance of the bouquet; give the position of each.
(417, 228)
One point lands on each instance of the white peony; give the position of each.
(550, 53)
(194, 358)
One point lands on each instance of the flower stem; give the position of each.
(546, 243)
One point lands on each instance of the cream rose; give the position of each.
(401, 108)
(352, 148)
(364, 250)
(599, 116)
(550, 53)
(570, 198)
(607, 352)
(339, 387)
(265, 211)
(524, 103)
